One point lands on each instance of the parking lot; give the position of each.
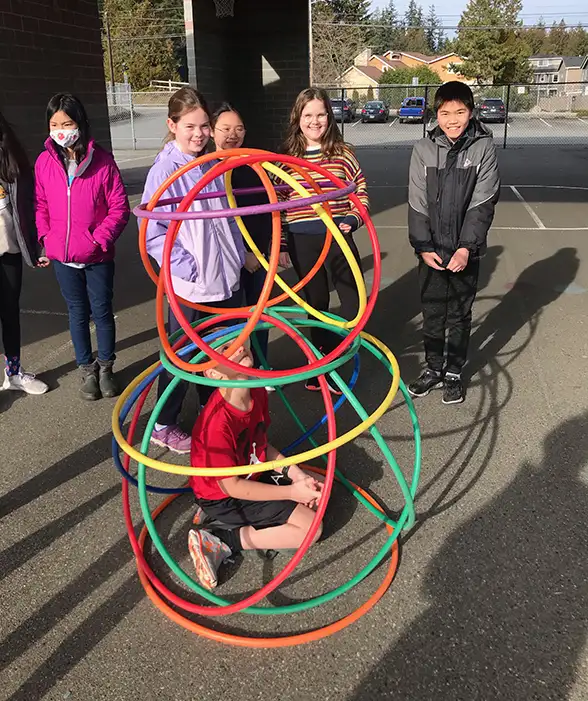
(522, 130)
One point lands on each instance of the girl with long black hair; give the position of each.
(18, 242)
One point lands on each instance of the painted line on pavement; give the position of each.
(524, 187)
(530, 211)
(354, 123)
(544, 122)
(393, 122)
(501, 228)
(582, 120)
(139, 158)
(43, 312)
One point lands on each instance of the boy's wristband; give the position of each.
(285, 471)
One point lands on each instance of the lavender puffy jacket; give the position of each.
(79, 223)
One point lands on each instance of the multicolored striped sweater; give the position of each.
(304, 220)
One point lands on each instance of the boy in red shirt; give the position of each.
(268, 510)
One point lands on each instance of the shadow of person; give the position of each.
(509, 602)
(488, 265)
(537, 287)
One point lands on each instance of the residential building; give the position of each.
(584, 74)
(368, 68)
(570, 74)
(442, 65)
(554, 73)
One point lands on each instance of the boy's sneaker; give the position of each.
(172, 438)
(24, 382)
(453, 392)
(312, 385)
(208, 553)
(425, 382)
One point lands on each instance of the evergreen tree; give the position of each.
(349, 10)
(434, 31)
(413, 17)
(557, 39)
(577, 42)
(384, 38)
(536, 38)
(493, 55)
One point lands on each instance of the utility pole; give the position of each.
(109, 49)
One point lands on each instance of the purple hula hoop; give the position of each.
(141, 213)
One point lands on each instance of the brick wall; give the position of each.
(50, 46)
(258, 60)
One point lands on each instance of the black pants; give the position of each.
(10, 286)
(304, 251)
(170, 413)
(446, 300)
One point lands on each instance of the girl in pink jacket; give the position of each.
(81, 209)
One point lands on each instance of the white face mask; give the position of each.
(65, 137)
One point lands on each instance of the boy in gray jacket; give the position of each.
(453, 188)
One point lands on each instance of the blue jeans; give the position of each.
(252, 284)
(88, 291)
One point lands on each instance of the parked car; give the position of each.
(492, 109)
(413, 109)
(343, 110)
(375, 111)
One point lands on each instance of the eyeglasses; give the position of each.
(239, 131)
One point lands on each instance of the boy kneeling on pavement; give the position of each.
(266, 510)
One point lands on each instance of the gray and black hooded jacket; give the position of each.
(453, 189)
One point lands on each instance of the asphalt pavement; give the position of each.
(490, 600)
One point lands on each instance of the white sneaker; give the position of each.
(24, 382)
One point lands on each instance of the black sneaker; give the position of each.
(312, 385)
(453, 392)
(425, 382)
(90, 389)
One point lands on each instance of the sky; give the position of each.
(572, 11)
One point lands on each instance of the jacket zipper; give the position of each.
(68, 221)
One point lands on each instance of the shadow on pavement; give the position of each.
(508, 600)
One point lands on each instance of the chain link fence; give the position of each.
(518, 115)
(137, 119)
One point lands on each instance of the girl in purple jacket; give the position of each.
(207, 255)
(81, 209)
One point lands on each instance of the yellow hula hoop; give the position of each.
(330, 224)
(273, 464)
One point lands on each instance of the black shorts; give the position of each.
(242, 512)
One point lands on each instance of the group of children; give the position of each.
(80, 208)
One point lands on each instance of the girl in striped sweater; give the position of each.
(313, 135)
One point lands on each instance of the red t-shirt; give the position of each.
(224, 436)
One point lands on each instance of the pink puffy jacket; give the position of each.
(79, 223)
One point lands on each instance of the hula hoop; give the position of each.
(201, 352)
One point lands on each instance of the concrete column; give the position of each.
(258, 60)
(190, 45)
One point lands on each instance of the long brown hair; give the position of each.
(331, 142)
(180, 103)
